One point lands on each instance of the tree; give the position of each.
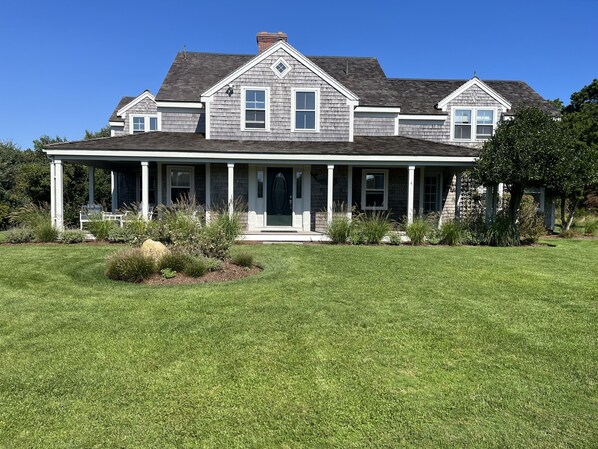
(104, 132)
(581, 118)
(522, 153)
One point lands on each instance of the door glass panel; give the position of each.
(279, 192)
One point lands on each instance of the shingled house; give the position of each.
(292, 135)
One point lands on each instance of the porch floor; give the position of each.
(266, 236)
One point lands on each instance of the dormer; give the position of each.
(135, 115)
(474, 110)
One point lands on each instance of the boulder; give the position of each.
(154, 249)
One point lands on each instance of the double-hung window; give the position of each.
(180, 183)
(255, 109)
(374, 191)
(305, 110)
(144, 123)
(430, 194)
(473, 124)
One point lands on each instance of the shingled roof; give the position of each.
(197, 143)
(191, 74)
(123, 101)
(420, 96)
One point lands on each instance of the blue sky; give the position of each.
(64, 65)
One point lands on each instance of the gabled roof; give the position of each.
(197, 143)
(292, 52)
(420, 96)
(146, 94)
(123, 102)
(191, 74)
(475, 81)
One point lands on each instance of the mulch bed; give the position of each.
(228, 272)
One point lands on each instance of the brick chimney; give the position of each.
(265, 40)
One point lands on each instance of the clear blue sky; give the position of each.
(64, 65)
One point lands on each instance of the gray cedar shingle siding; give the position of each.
(144, 107)
(225, 112)
(374, 124)
(184, 122)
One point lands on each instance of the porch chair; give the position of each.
(87, 213)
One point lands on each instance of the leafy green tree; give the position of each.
(581, 117)
(524, 152)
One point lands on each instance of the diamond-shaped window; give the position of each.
(281, 68)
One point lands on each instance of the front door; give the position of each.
(280, 197)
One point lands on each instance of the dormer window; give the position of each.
(280, 68)
(473, 123)
(255, 109)
(144, 123)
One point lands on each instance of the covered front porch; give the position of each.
(278, 187)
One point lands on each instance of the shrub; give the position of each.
(129, 265)
(176, 260)
(167, 273)
(568, 233)
(178, 224)
(451, 233)
(218, 236)
(339, 229)
(370, 228)
(196, 267)
(243, 259)
(394, 238)
(4, 215)
(73, 236)
(45, 232)
(419, 231)
(531, 221)
(19, 235)
(121, 235)
(212, 264)
(501, 232)
(591, 226)
(101, 228)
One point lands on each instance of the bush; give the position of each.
(101, 229)
(179, 224)
(394, 238)
(19, 235)
(370, 229)
(591, 226)
(129, 265)
(167, 273)
(196, 267)
(501, 232)
(45, 232)
(4, 215)
(419, 231)
(73, 236)
(122, 235)
(339, 229)
(451, 233)
(219, 235)
(531, 221)
(176, 260)
(568, 233)
(243, 259)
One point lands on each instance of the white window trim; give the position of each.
(275, 70)
(267, 107)
(146, 121)
(364, 173)
(474, 121)
(169, 169)
(293, 101)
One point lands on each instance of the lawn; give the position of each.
(328, 347)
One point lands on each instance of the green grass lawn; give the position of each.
(328, 347)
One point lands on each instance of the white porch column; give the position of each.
(114, 190)
(231, 187)
(208, 192)
(350, 191)
(52, 193)
(145, 190)
(329, 192)
(410, 194)
(422, 174)
(59, 193)
(91, 181)
(459, 182)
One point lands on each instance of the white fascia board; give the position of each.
(188, 156)
(179, 104)
(117, 124)
(475, 81)
(442, 117)
(292, 52)
(377, 109)
(143, 96)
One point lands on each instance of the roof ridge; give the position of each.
(456, 79)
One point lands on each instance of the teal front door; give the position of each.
(280, 197)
